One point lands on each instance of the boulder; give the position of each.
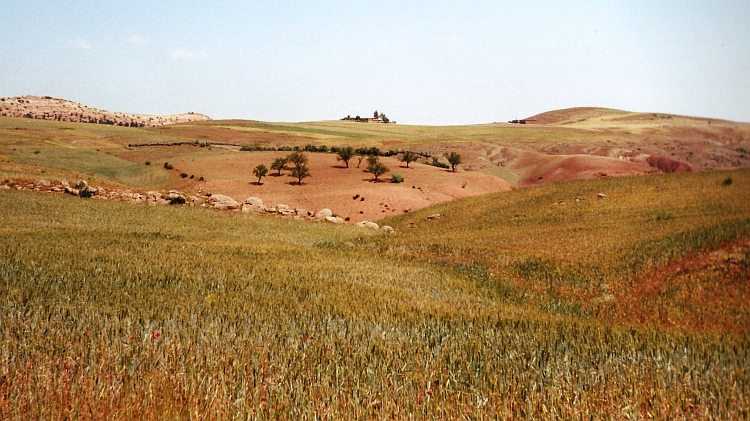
(368, 224)
(5, 187)
(600, 195)
(82, 184)
(224, 202)
(253, 204)
(434, 216)
(302, 212)
(323, 214)
(387, 229)
(254, 201)
(334, 219)
(64, 184)
(42, 183)
(246, 208)
(281, 207)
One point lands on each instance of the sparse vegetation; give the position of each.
(397, 178)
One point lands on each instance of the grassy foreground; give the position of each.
(115, 310)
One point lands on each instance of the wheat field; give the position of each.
(499, 309)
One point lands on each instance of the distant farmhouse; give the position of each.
(376, 118)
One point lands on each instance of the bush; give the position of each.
(183, 175)
(167, 166)
(727, 181)
(85, 193)
(397, 178)
(148, 162)
(436, 163)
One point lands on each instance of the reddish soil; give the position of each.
(541, 169)
(708, 292)
(333, 186)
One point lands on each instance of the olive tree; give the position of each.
(454, 159)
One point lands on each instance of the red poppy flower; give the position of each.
(155, 335)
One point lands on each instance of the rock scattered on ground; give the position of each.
(48, 108)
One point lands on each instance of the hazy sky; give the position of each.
(420, 62)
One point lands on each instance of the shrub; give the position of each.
(167, 166)
(183, 175)
(727, 181)
(179, 200)
(201, 179)
(36, 152)
(85, 193)
(436, 163)
(397, 178)
(148, 162)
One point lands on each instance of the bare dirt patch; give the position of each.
(333, 186)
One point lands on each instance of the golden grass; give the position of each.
(563, 249)
(115, 310)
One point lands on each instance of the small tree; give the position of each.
(279, 164)
(299, 168)
(408, 157)
(260, 171)
(376, 167)
(345, 154)
(360, 158)
(375, 114)
(454, 159)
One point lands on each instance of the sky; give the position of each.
(419, 62)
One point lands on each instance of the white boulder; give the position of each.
(323, 214)
(368, 224)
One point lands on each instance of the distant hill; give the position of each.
(569, 115)
(48, 108)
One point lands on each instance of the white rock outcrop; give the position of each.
(323, 214)
(368, 224)
(224, 202)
